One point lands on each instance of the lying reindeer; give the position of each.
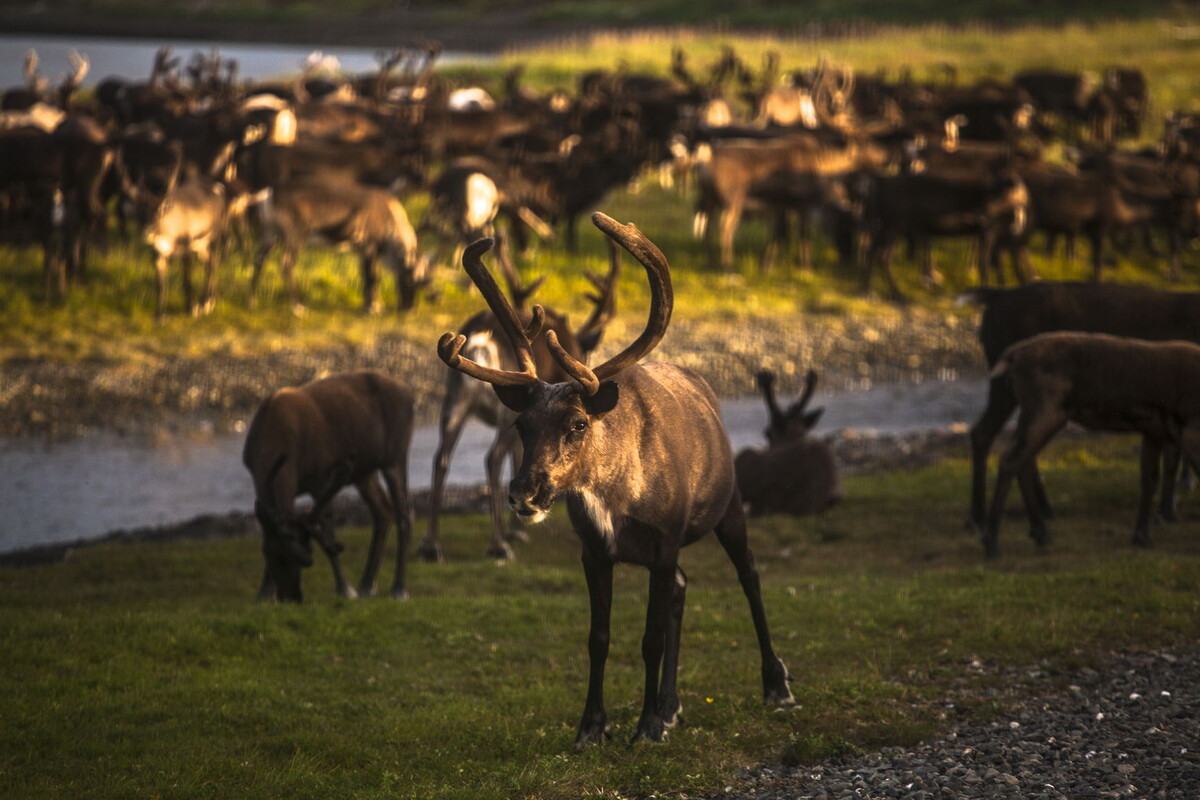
(314, 439)
(642, 457)
(795, 474)
(1103, 382)
(466, 398)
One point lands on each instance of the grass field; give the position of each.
(146, 670)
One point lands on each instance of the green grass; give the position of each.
(146, 670)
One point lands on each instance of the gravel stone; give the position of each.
(1128, 730)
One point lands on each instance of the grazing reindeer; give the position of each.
(1103, 382)
(365, 218)
(796, 473)
(314, 439)
(643, 459)
(466, 398)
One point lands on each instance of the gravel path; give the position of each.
(1128, 729)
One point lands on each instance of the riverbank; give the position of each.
(56, 399)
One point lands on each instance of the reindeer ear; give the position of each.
(810, 419)
(517, 398)
(603, 401)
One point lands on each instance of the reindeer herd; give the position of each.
(201, 163)
(638, 452)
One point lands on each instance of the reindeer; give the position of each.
(796, 474)
(314, 439)
(465, 399)
(366, 218)
(643, 460)
(1103, 382)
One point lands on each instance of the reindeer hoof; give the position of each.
(348, 593)
(500, 551)
(399, 594)
(430, 553)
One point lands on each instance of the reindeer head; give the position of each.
(795, 422)
(561, 424)
(288, 536)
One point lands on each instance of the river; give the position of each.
(132, 58)
(86, 487)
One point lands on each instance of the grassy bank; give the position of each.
(147, 670)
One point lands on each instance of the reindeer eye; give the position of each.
(578, 426)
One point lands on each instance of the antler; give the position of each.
(810, 385)
(521, 338)
(766, 383)
(519, 292)
(604, 300)
(662, 301)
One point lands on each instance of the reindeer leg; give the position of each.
(370, 282)
(498, 548)
(160, 273)
(212, 260)
(1000, 405)
(287, 265)
(266, 589)
(396, 478)
(598, 571)
(188, 298)
(651, 724)
(333, 551)
(372, 494)
(730, 218)
(731, 533)
(454, 417)
(1149, 472)
(516, 530)
(1172, 460)
(670, 709)
(260, 258)
(1035, 427)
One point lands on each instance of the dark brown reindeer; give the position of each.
(1103, 382)
(466, 398)
(796, 473)
(643, 460)
(349, 428)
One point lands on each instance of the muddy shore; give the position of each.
(55, 399)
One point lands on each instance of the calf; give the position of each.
(796, 474)
(1102, 382)
(364, 218)
(349, 428)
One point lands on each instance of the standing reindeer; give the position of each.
(643, 459)
(796, 473)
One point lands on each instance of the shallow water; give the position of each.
(132, 58)
(87, 487)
